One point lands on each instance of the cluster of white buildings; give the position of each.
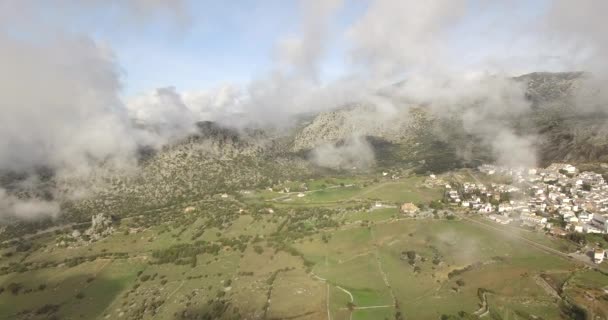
(535, 196)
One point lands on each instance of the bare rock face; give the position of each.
(101, 226)
(542, 87)
(358, 120)
(570, 115)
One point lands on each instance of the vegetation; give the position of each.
(259, 254)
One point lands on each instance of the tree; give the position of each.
(577, 237)
(14, 287)
(258, 249)
(411, 255)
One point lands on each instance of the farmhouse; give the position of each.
(533, 219)
(500, 219)
(409, 208)
(486, 208)
(598, 255)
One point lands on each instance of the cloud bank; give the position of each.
(60, 88)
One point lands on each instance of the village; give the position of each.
(559, 199)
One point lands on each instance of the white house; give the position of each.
(585, 216)
(505, 207)
(567, 214)
(570, 168)
(598, 255)
(533, 219)
(500, 219)
(591, 229)
(600, 221)
(486, 208)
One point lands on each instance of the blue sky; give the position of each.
(218, 42)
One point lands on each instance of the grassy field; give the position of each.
(98, 282)
(403, 190)
(322, 255)
(589, 288)
(356, 260)
(372, 215)
(335, 190)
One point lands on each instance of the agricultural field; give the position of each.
(334, 253)
(342, 191)
(452, 264)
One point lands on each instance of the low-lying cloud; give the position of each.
(60, 90)
(353, 153)
(29, 209)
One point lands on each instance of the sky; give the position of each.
(205, 44)
(86, 84)
(235, 41)
(211, 43)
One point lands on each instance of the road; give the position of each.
(287, 195)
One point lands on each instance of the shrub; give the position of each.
(14, 287)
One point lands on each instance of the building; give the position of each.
(598, 255)
(499, 219)
(533, 219)
(601, 222)
(486, 208)
(409, 208)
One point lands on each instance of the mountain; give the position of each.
(218, 159)
(565, 115)
(569, 115)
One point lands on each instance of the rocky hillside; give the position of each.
(571, 119)
(359, 120)
(218, 159)
(568, 129)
